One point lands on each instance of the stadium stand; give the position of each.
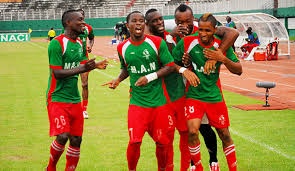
(48, 9)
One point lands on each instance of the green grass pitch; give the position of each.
(265, 140)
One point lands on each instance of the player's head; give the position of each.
(184, 16)
(81, 11)
(135, 24)
(155, 22)
(73, 20)
(207, 28)
(249, 30)
(228, 19)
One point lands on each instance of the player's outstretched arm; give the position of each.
(63, 73)
(102, 64)
(115, 82)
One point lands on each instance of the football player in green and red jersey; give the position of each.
(176, 88)
(66, 61)
(207, 96)
(146, 59)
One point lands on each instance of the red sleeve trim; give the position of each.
(170, 64)
(83, 62)
(55, 67)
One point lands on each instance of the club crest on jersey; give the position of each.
(221, 120)
(146, 54)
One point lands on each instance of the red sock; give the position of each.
(162, 155)
(185, 158)
(85, 105)
(170, 155)
(56, 151)
(196, 156)
(230, 154)
(72, 156)
(133, 153)
(170, 152)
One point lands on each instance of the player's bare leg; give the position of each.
(228, 148)
(85, 92)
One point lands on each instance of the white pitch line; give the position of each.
(251, 78)
(268, 147)
(35, 44)
(110, 76)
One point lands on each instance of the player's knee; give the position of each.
(62, 138)
(85, 85)
(224, 135)
(192, 137)
(75, 141)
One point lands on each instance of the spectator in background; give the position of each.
(51, 34)
(231, 24)
(252, 41)
(116, 33)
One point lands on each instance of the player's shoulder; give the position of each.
(88, 25)
(153, 37)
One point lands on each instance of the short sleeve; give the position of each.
(55, 53)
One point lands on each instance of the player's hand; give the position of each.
(89, 49)
(191, 77)
(186, 59)
(209, 66)
(90, 64)
(112, 84)
(180, 30)
(142, 81)
(102, 64)
(216, 54)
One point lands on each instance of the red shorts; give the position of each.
(216, 112)
(65, 117)
(177, 108)
(156, 121)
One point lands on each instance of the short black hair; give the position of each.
(208, 17)
(148, 12)
(183, 8)
(133, 12)
(66, 16)
(81, 10)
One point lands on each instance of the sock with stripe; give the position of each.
(196, 156)
(72, 156)
(230, 154)
(56, 151)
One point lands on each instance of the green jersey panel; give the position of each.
(209, 89)
(64, 53)
(141, 59)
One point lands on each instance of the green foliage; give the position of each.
(264, 139)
